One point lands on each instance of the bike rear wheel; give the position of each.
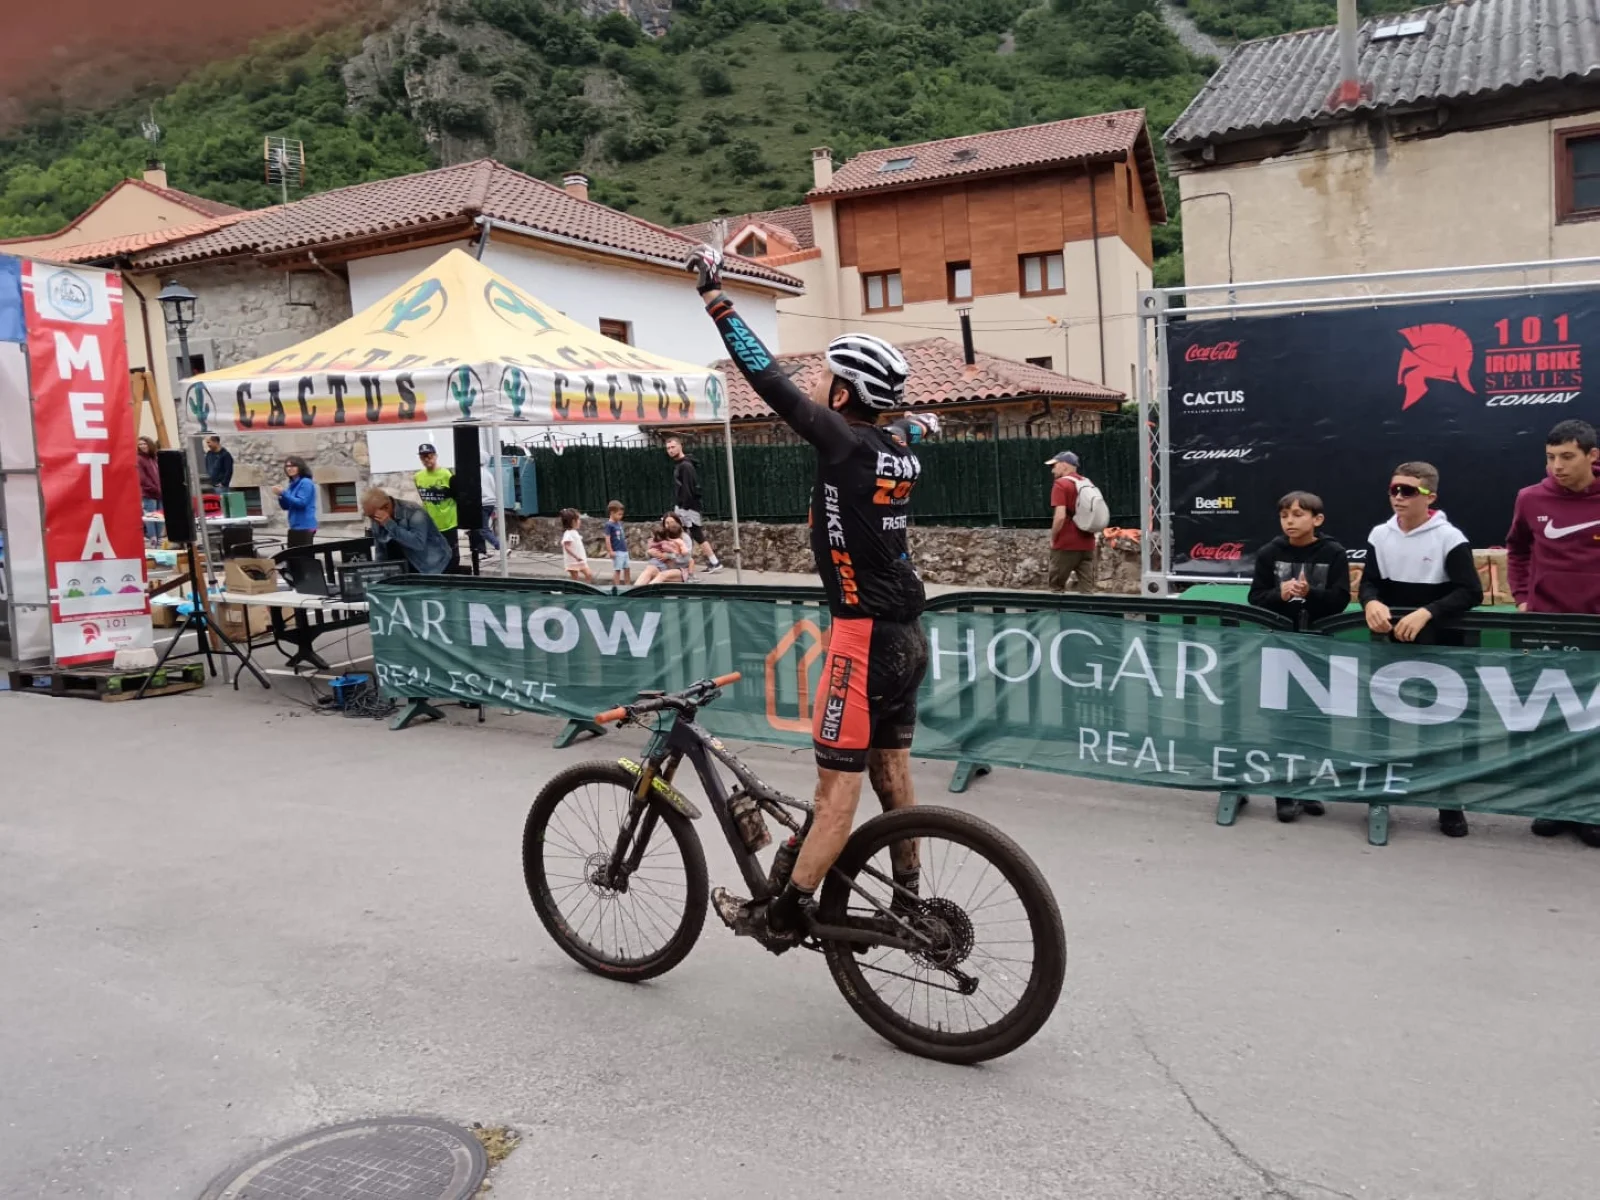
(631, 928)
(989, 917)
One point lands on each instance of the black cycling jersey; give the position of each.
(862, 497)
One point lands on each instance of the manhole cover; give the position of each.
(386, 1158)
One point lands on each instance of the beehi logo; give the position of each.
(1434, 352)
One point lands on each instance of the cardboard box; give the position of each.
(250, 576)
(243, 621)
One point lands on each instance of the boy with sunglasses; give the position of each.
(1418, 560)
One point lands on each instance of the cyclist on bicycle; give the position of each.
(866, 703)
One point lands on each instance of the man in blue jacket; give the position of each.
(399, 526)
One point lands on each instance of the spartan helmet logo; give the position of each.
(514, 389)
(1436, 352)
(465, 389)
(201, 406)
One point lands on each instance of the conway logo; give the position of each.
(1434, 352)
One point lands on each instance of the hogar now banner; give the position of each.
(1331, 402)
(1171, 705)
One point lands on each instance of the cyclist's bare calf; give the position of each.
(838, 795)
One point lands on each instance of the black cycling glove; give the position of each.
(706, 263)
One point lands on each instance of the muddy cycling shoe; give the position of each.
(749, 919)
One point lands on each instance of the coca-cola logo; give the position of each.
(1220, 352)
(1226, 552)
(1234, 453)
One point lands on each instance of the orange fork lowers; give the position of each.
(616, 714)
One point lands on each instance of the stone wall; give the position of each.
(960, 556)
(243, 311)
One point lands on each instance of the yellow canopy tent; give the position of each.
(456, 343)
(459, 344)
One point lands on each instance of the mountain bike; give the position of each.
(966, 968)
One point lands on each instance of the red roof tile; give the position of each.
(1102, 137)
(133, 243)
(796, 219)
(939, 375)
(442, 200)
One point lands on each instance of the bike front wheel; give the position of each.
(624, 896)
(991, 954)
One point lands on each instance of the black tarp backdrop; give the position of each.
(1331, 402)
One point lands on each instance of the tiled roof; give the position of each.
(195, 204)
(206, 208)
(133, 243)
(444, 200)
(1102, 137)
(1463, 50)
(796, 219)
(939, 375)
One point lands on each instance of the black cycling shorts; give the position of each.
(867, 697)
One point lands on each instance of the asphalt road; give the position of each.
(225, 920)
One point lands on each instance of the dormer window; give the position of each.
(753, 246)
(897, 164)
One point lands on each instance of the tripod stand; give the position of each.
(199, 623)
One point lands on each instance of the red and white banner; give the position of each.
(85, 430)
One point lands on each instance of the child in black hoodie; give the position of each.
(1305, 578)
(1300, 573)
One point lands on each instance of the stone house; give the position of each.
(1470, 135)
(268, 279)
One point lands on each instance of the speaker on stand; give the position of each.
(177, 506)
(469, 490)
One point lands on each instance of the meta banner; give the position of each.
(1332, 402)
(1210, 708)
(84, 428)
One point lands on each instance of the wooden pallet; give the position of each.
(108, 684)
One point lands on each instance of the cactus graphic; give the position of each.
(416, 304)
(514, 389)
(464, 389)
(198, 398)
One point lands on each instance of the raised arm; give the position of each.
(822, 427)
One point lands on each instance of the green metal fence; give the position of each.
(971, 482)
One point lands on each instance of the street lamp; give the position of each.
(177, 306)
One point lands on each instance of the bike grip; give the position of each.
(730, 677)
(611, 714)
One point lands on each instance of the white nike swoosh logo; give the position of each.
(1552, 530)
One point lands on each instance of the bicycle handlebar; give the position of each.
(695, 694)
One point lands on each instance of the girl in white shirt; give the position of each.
(573, 556)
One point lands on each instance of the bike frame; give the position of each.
(681, 738)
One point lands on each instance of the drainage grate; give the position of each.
(386, 1158)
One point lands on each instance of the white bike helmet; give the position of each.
(874, 369)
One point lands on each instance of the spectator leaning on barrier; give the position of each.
(401, 529)
(1079, 514)
(1553, 549)
(1304, 577)
(1418, 560)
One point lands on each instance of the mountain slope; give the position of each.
(716, 116)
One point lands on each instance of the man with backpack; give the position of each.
(1080, 513)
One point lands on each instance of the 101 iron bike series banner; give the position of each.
(1212, 708)
(1331, 401)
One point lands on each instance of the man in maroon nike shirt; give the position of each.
(1553, 549)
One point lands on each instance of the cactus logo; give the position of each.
(414, 310)
(714, 395)
(465, 389)
(514, 389)
(515, 309)
(201, 407)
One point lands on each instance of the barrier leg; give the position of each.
(1377, 824)
(1228, 806)
(576, 729)
(415, 707)
(964, 774)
